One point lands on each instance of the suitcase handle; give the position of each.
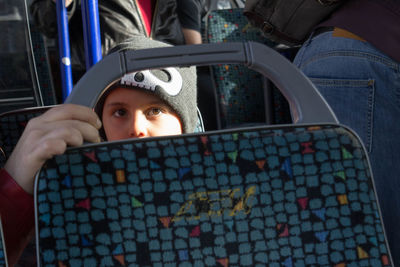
(306, 103)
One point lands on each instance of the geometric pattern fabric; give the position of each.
(240, 91)
(12, 124)
(293, 196)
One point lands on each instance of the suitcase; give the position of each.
(284, 195)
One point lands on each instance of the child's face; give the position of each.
(130, 113)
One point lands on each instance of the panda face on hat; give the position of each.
(147, 80)
(169, 85)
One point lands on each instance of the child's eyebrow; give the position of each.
(116, 104)
(150, 103)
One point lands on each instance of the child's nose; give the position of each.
(138, 127)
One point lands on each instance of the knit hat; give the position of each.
(177, 87)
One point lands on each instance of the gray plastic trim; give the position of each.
(306, 103)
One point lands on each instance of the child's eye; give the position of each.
(154, 111)
(119, 113)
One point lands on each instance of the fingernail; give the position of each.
(98, 123)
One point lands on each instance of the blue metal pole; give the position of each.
(91, 32)
(64, 49)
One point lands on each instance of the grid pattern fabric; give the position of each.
(236, 85)
(12, 124)
(240, 91)
(294, 196)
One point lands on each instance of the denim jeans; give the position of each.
(362, 85)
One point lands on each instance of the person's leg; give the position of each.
(362, 85)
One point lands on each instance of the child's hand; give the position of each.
(49, 135)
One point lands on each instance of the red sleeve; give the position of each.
(146, 10)
(17, 216)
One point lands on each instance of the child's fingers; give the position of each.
(74, 132)
(52, 139)
(48, 135)
(48, 139)
(55, 142)
(44, 150)
(69, 112)
(25, 161)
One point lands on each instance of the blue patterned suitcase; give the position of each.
(289, 195)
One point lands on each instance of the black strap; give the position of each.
(320, 30)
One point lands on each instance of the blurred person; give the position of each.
(353, 58)
(175, 22)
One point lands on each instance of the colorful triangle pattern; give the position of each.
(288, 262)
(341, 174)
(91, 155)
(67, 181)
(204, 139)
(117, 250)
(233, 155)
(283, 230)
(307, 148)
(303, 202)
(120, 259)
(183, 171)
(166, 221)
(224, 262)
(85, 204)
(85, 242)
(385, 260)
(260, 164)
(118, 255)
(362, 254)
(195, 232)
(183, 255)
(229, 224)
(136, 203)
(120, 174)
(235, 136)
(320, 213)
(342, 199)
(154, 165)
(45, 218)
(346, 154)
(322, 236)
(287, 167)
